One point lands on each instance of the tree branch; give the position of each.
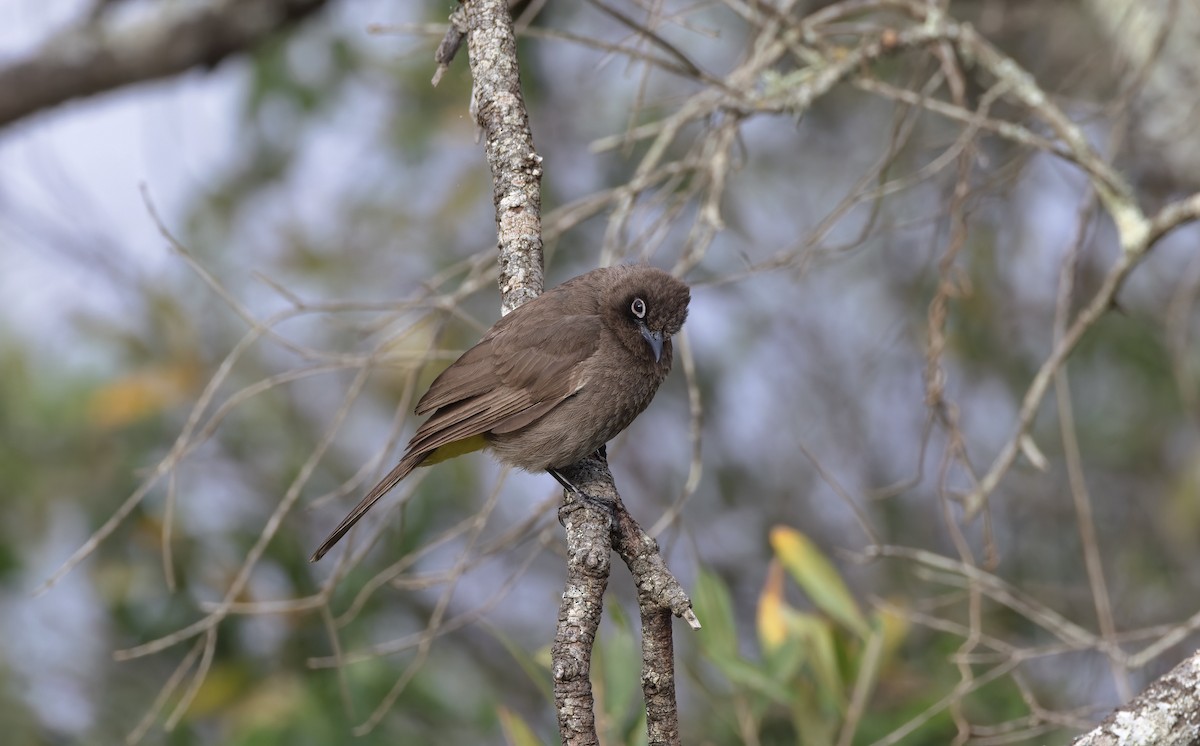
(589, 549)
(592, 533)
(1167, 713)
(659, 595)
(92, 58)
(516, 167)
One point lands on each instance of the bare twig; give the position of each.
(433, 627)
(1080, 497)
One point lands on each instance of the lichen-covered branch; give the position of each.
(589, 552)
(1167, 713)
(516, 167)
(658, 675)
(655, 583)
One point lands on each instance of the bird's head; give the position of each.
(647, 306)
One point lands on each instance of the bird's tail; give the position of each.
(406, 465)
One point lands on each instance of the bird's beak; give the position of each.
(654, 339)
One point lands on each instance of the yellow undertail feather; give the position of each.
(457, 448)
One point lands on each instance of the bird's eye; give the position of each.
(639, 308)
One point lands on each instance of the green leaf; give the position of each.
(713, 606)
(755, 680)
(537, 672)
(814, 725)
(617, 674)
(818, 638)
(783, 662)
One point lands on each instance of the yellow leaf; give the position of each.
(272, 704)
(817, 576)
(140, 394)
(223, 687)
(516, 731)
(772, 610)
(893, 626)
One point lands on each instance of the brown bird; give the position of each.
(551, 382)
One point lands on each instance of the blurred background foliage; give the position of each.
(321, 183)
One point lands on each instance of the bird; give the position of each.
(552, 381)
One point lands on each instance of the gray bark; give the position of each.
(1167, 713)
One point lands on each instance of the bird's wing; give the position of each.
(515, 350)
(507, 381)
(468, 376)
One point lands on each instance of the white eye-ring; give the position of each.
(638, 308)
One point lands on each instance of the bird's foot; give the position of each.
(599, 503)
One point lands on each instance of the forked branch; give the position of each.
(592, 533)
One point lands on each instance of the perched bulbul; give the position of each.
(552, 381)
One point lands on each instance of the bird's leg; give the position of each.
(596, 502)
(566, 483)
(602, 452)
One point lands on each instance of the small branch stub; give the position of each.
(448, 48)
